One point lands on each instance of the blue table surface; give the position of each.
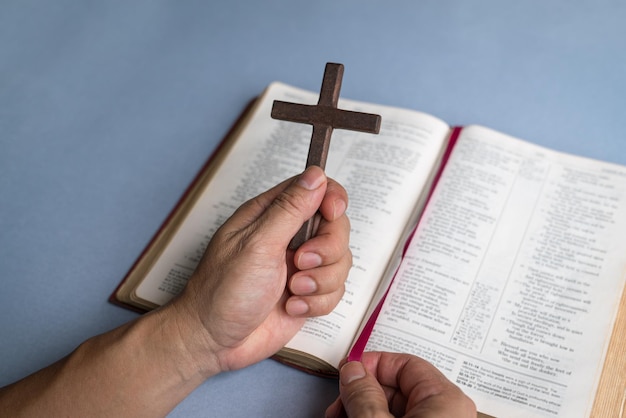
(108, 109)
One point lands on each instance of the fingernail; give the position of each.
(311, 179)
(339, 208)
(351, 371)
(296, 307)
(303, 285)
(309, 261)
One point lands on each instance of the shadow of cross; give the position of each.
(325, 116)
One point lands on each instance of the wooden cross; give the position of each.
(325, 116)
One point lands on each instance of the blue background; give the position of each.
(108, 109)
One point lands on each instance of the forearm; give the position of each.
(143, 368)
(234, 312)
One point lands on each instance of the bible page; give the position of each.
(382, 173)
(512, 281)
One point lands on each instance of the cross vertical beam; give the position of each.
(324, 117)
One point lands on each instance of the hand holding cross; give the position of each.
(325, 116)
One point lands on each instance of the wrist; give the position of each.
(184, 339)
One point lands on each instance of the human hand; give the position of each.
(390, 384)
(250, 294)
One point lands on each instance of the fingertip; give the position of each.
(296, 307)
(351, 371)
(335, 202)
(312, 178)
(308, 260)
(303, 285)
(339, 208)
(361, 393)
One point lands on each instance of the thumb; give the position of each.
(360, 392)
(286, 212)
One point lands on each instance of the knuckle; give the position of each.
(365, 401)
(290, 203)
(324, 304)
(349, 258)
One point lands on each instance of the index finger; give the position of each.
(335, 201)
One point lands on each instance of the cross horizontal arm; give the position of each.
(326, 116)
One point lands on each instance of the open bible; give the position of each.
(499, 261)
